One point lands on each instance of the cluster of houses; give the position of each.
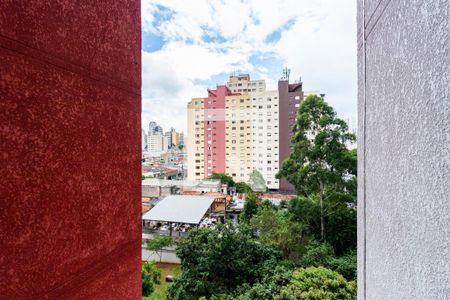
(173, 207)
(178, 198)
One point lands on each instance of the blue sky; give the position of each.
(189, 46)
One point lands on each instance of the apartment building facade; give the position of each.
(155, 142)
(143, 140)
(265, 136)
(290, 96)
(174, 137)
(238, 121)
(237, 129)
(214, 131)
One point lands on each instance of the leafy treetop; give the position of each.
(320, 160)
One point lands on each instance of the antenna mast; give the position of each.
(286, 73)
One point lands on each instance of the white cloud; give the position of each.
(165, 93)
(323, 51)
(320, 46)
(195, 61)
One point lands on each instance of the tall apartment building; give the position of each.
(289, 97)
(206, 134)
(181, 143)
(151, 127)
(238, 120)
(239, 128)
(265, 136)
(158, 129)
(168, 140)
(175, 137)
(143, 140)
(243, 85)
(155, 143)
(214, 131)
(195, 139)
(156, 140)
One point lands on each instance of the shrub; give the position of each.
(318, 283)
(150, 276)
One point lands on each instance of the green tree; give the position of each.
(317, 254)
(340, 218)
(320, 158)
(341, 230)
(266, 204)
(318, 283)
(306, 210)
(322, 254)
(150, 276)
(250, 208)
(268, 287)
(242, 187)
(158, 243)
(275, 228)
(345, 265)
(223, 178)
(257, 182)
(217, 261)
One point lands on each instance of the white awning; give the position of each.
(180, 209)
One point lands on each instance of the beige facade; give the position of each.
(238, 136)
(265, 135)
(195, 139)
(238, 117)
(155, 143)
(175, 136)
(252, 133)
(242, 84)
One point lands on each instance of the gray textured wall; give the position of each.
(404, 149)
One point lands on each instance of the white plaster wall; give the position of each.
(404, 149)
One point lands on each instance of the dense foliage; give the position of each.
(257, 182)
(304, 248)
(276, 229)
(322, 254)
(318, 283)
(243, 188)
(340, 218)
(269, 286)
(320, 162)
(230, 262)
(217, 261)
(250, 208)
(223, 178)
(150, 276)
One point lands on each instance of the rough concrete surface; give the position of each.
(70, 149)
(404, 149)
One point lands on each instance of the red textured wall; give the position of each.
(215, 107)
(70, 149)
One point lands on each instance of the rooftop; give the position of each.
(180, 209)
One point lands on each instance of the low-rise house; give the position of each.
(154, 187)
(275, 199)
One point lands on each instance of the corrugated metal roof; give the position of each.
(180, 209)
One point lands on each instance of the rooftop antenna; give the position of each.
(286, 73)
